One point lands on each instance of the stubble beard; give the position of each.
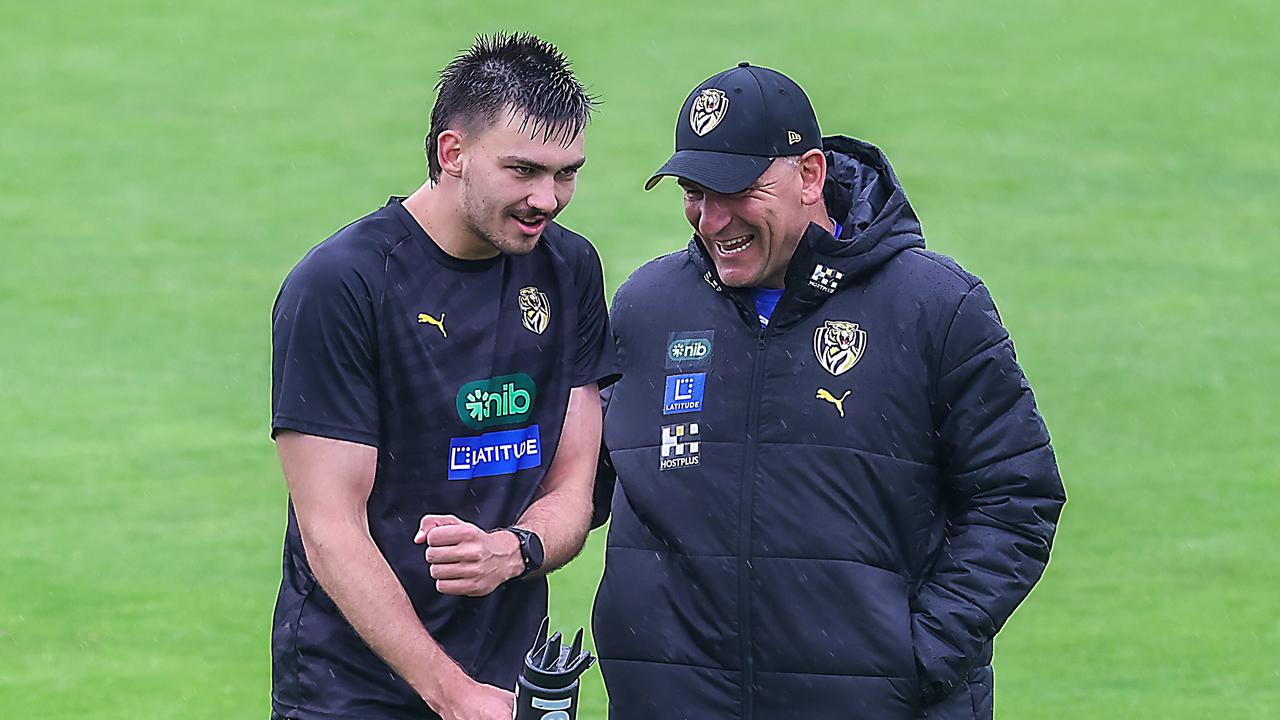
(476, 212)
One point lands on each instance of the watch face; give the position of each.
(530, 549)
(534, 553)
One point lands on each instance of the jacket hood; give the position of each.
(863, 194)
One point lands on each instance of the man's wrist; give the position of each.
(529, 545)
(446, 690)
(509, 550)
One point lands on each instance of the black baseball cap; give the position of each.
(734, 124)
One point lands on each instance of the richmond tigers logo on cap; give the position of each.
(708, 110)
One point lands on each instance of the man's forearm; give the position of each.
(561, 514)
(561, 518)
(356, 576)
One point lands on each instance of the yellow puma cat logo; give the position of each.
(425, 318)
(823, 394)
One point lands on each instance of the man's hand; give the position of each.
(466, 560)
(477, 701)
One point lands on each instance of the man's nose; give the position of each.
(543, 197)
(715, 216)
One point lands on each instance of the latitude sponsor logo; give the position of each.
(500, 400)
(684, 393)
(497, 453)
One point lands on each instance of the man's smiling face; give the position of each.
(751, 235)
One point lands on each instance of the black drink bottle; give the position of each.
(548, 686)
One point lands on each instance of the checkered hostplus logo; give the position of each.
(680, 446)
(825, 278)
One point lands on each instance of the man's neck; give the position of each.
(822, 219)
(437, 210)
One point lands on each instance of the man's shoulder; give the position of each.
(358, 250)
(932, 274)
(658, 277)
(573, 249)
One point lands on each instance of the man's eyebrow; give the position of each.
(517, 160)
(526, 162)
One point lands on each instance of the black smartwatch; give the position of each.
(530, 550)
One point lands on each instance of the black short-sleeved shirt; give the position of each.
(459, 373)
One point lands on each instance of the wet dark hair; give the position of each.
(509, 70)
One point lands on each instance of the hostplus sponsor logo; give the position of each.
(680, 447)
(826, 279)
(684, 393)
(501, 400)
(497, 453)
(690, 350)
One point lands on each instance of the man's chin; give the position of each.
(520, 246)
(736, 278)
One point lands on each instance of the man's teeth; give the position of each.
(734, 246)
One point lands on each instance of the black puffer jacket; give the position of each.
(831, 517)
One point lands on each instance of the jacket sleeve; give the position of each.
(1003, 495)
(606, 476)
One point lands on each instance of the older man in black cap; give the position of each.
(833, 485)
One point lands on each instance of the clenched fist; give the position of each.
(466, 560)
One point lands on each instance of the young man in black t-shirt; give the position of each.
(436, 377)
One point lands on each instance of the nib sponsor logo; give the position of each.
(496, 453)
(501, 400)
(680, 446)
(690, 350)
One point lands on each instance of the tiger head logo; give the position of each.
(708, 110)
(839, 345)
(535, 310)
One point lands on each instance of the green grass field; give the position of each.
(1112, 169)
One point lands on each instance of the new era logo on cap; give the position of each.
(735, 123)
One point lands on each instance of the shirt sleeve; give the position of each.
(595, 359)
(324, 356)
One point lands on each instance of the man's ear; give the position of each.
(813, 173)
(449, 151)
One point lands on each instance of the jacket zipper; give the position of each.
(746, 496)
